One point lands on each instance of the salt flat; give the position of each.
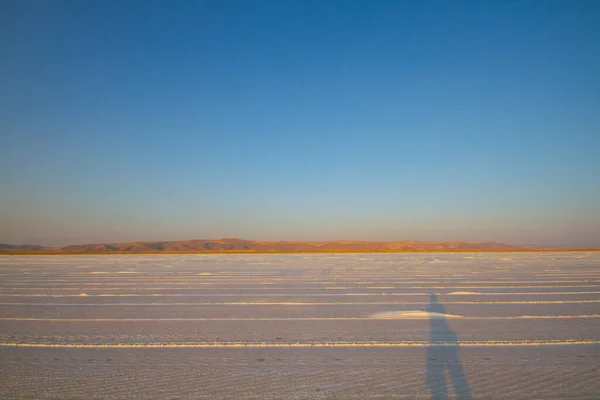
(462, 325)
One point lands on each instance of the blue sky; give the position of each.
(300, 120)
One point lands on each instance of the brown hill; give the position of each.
(255, 246)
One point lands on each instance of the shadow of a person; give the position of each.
(442, 357)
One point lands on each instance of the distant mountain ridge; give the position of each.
(12, 247)
(233, 245)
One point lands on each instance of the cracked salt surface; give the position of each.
(520, 325)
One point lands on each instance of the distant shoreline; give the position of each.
(248, 252)
(242, 246)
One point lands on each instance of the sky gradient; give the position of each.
(300, 120)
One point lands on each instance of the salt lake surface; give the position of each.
(334, 326)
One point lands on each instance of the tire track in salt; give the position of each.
(238, 345)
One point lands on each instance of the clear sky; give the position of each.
(300, 120)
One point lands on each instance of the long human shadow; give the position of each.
(443, 362)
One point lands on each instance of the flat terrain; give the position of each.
(335, 326)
